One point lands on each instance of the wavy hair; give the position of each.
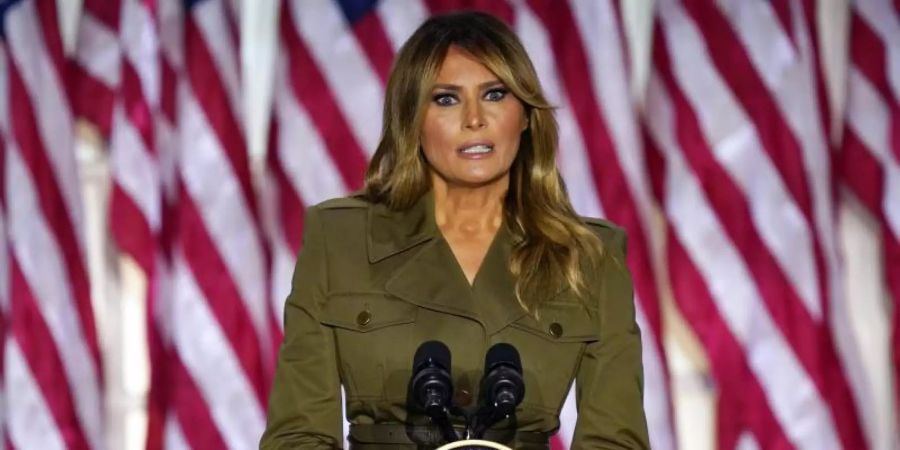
(553, 247)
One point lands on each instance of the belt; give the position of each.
(422, 437)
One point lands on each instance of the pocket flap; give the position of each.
(561, 322)
(366, 312)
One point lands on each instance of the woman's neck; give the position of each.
(469, 210)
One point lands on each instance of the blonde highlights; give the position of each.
(552, 248)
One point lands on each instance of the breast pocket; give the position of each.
(551, 348)
(370, 330)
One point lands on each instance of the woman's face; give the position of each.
(472, 125)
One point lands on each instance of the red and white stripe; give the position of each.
(220, 315)
(743, 169)
(328, 99)
(170, 25)
(95, 71)
(870, 155)
(4, 250)
(52, 364)
(141, 154)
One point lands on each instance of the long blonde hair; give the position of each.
(552, 246)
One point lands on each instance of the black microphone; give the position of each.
(502, 388)
(431, 386)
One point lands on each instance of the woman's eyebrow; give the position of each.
(455, 87)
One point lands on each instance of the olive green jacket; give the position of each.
(372, 284)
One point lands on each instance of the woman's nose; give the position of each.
(474, 116)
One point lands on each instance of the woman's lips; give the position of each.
(476, 151)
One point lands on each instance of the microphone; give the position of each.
(431, 386)
(502, 388)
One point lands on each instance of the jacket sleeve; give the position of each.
(610, 378)
(305, 401)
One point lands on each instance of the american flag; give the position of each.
(870, 152)
(726, 182)
(743, 170)
(220, 279)
(52, 371)
(183, 207)
(126, 84)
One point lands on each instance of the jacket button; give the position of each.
(462, 397)
(363, 318)
(556, 330)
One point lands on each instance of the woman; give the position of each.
(464, 235)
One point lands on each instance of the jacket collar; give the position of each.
(391, 232)
(430, 275)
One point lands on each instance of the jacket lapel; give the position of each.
(494, 287)
(430, 276)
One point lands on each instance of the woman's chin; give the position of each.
(475, 182)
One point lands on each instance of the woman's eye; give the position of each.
(444, 99)
(495, 95)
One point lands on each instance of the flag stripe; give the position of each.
(375, 44)
(313, 173)
(136, 106)
(809, 338)
(92, 100)
(870, 154)
(214, 96)
(730, 367)
(105, 11)
(33, 336)
(39, 89)
(98, 51)
(502, 9)
(45, 225)
(869, 56)
(52, 204)
(739, 160)
(44, 293)
(215, 361)
(222, 326)
(222, 295)
(232, 231)
(400, 18)
(738, 55)
(786, 308)
(30, 425)
(354, 85)
(190, 407)
(736, 294)
(48, 23)
(131, 231)
(288, 204)
(95, 74)
(883, 21)
(311, 90)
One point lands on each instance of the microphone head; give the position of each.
(502, 354)
(431, 353)
(431, 386)
(502, 388)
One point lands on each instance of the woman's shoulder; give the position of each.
(352, 201)
(609, 232)
(339, 215)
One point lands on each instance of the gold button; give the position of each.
(462, 397)
(556, 330)
(363, 318)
